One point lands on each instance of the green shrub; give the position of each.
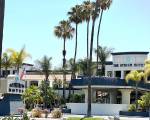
(25, 117)
(77, 98)
(56, 113)
(132, 107)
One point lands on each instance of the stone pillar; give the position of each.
(125, 95)
(122, 75)
(86, 95)
(113, 97)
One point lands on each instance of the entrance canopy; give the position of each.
(108, 82)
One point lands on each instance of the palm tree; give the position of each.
(103, 53)
(90, 60)
(73, 67)
(75, 17)
(2, 7)
(45, 67)
(31, 96)
(65, 31)
(18, 57)
(6, 62)
(104, 4)
(137, 77)
(87, 12)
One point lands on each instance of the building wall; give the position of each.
(12, 70)
(124, 63)
(97, 109)
(10, 104)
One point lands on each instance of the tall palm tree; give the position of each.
(90, 60)
(2, 7)
(137, 77)
(103, 4)
(6, 62)
(75, 17)
(18, 57)
(103, 53)
(87, 12)
(65, 31)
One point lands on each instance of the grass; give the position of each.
(79, 118)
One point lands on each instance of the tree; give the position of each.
(57, 83)
(103, 4)
(103, 53)
(90, 60)
(31, 96)
(2, 8)
(49, 97)
(147, 69)
(136, 77)
(73, 67)
(88, 8)
(45, 66)
(6, 62)
(75, 16)
(82, 66)
(65, 31)
(18, 57)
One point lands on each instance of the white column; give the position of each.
(86, 95)
(125, 95)
(93, 95)
(113, 74)
(122, 74)
(113, 97)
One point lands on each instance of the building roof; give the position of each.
(107, 81)
(128, 53)
(42, 77)
(27, 64)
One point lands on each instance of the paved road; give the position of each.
(105, 117)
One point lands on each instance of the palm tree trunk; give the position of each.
(2, 8)
(90, 61)
(88, 44)
(64, 65)
(75, 54)
(6, 72)
(103, 69)
(88, 39)
(99, 25)
(18, 70)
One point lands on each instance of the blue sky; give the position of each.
(125, 27)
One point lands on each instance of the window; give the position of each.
(13, 90)
(115, 65)
(14, 71)
(9, 90)
(19, 91)
(35, 83)
(109, 73)
(16, 90)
